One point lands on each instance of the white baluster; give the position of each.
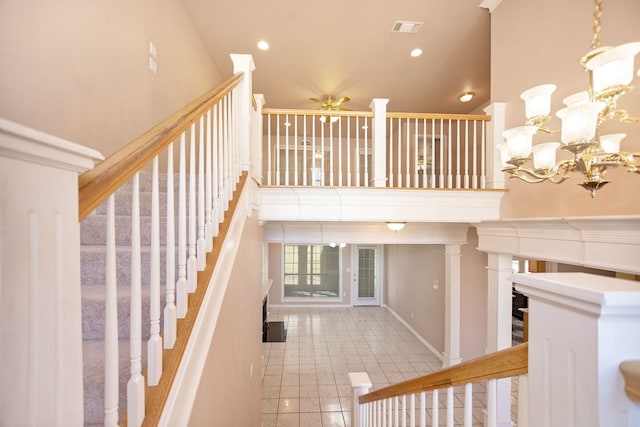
(154, 345)
(423, 409)
(269, 148)
(441, 163)
(466, 154)
(407, 182)
(215, 143)
(220, 168)
(305, 170)
(468, 404)
(415, 150)
(399, 156)
(483, 159)
(450, 407)
(201, 243)
(349, 177)
(366, 153)
(357, 157)
(111, 366)
(433, 153)
(322, 168)
(425, 159)
(449, 175)
(523, 400)
(208, 227)
(396, 413)
(295, 148)
(384, 413)
(404, 410)
(340, 183)
(434, 408)
(135, 386)
(181, 285)
(491, 403)
(192, 265)
(458, 154)
(170, 323)
(474, 179)
(412, 409)
(286, 150)
(331, 143)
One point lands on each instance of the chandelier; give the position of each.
(611, 71)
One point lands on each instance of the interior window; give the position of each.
(311, 271)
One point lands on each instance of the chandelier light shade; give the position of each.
(611, 73)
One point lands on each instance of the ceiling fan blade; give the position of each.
(316, 100)
(342, 100)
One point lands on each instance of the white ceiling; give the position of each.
(346, 48)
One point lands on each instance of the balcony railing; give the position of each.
(340, 149)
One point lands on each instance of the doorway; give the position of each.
(366, 275)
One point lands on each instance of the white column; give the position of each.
(379, 108)
(451, 354)
(499, 327)
(581, 327)
(40, 315)
(244, 63)
(495, 176)
(256, 151)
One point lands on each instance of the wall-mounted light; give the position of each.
(395, 226)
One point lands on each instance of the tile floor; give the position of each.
(306, 380)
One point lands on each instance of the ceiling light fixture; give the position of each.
(263, 45)
(416, 52)
(395, 226)
(466, 96)
(610, 74)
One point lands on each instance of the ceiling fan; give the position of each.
(329, 103)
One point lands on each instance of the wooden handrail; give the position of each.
(438, 116)
(97, 184)
(281, 111)
(505, 363)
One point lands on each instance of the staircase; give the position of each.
(93, 252)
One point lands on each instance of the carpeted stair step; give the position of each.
(93, 262)
(93, 371)
(93, 309)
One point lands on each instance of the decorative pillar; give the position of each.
(256, 150)
(581, 328)
(495, 176)
(40, 315)
(244, 63)
(451, 354)
(499, 331)
(379, 107)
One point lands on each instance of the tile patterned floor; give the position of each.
(306, 382)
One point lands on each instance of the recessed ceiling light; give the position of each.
(263, 45)
(466, 96)
(416, 52)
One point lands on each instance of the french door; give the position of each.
(366, 275)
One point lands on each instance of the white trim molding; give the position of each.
(607, 242)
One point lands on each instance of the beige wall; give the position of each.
(410, 272)
(536, 42)
(473, 299)
(227, 395)
(275, 273)
(80, 69)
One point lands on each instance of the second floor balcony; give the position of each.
(377, 166)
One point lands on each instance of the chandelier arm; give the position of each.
(549, 131)
(597, 14)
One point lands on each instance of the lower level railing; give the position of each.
(419, 401)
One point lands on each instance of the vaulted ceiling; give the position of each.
(346, 48)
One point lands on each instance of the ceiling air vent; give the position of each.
(411, 27)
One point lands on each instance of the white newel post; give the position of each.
(40, 315)
(452, 306)
(361, 384)
(495, 176)
(379, 108)
(499, 303)
(244, 63)
(581, 327)
(256, 150)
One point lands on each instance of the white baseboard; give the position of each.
(295, 305)
(414, 332)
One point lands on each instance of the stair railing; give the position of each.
(391, 406)
(208, 130)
